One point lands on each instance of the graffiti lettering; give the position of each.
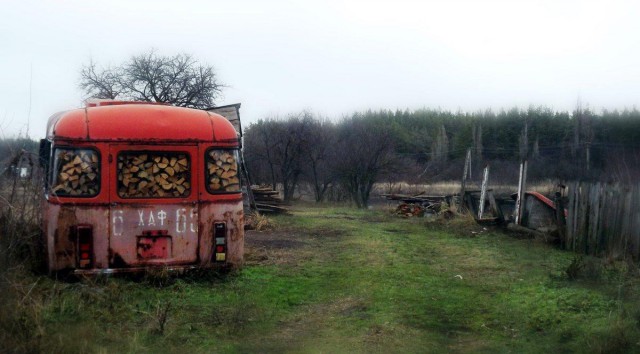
(161, 216)
(117, 223)
(194, 216)
(186, 220)
(181, 220)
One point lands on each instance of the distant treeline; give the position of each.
(429, 145)
(344, 159)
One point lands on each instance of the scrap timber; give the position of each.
(433, 204)
(267, 200)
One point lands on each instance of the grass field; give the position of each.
(338, 280)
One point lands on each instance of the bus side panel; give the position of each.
(231, 213)
(61, 240)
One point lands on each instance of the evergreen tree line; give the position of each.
(345, 159)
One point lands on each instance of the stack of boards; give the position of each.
(222, 169)
(268, 200)
(77, 173)
(144, 175)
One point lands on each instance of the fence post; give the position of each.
(561, 221)
(522, 184)
(483, 191)
(467, 163)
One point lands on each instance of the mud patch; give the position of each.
(356, 310)
(338, 216)
(273, 240)
(327, 233)
(277, 247)
(393, 231)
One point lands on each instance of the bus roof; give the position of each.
(138, 121)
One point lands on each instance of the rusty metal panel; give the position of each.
(61, 245)
(154, 247)
(232, 214)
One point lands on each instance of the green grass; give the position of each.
(363, 281)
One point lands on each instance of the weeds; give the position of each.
(22, 312)
(159, 277)
(574, 270)
(21, 243)
(259, 222)
(161, 315)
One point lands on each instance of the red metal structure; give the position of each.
(101, 215)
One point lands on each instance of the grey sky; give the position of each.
(333, 57)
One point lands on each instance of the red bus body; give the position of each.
(103, 230)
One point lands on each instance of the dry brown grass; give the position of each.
(258, 222)
(546, 187)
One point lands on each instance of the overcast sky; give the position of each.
(333, 57)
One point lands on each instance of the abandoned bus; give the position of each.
(134, 185)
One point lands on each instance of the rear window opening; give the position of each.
(154, 174)
(76, 172)
(222, 173)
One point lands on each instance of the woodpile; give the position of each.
(407, 210)
(267, 200)
(78, 173)
(222, 172)
(144, 175)
(418, 205)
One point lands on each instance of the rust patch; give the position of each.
(64, 243)
(154, 247)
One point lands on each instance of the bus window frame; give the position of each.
(205, 168)
(161, 152)
(52, 171)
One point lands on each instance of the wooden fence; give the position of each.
(603, 219)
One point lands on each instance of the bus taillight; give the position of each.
(220, 244)
(84, 241)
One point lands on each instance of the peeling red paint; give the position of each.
(154, 247)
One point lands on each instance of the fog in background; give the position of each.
(332, 57)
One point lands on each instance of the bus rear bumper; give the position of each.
(177, 269)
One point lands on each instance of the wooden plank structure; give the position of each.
(603, 219)
(231, 113)
(267, 200)
(494, 215)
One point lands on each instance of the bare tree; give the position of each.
(319, 156)
(100, 83)
(259, 142)
(366, 153)
(290, 145)
(275, 150)
(180, 80)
